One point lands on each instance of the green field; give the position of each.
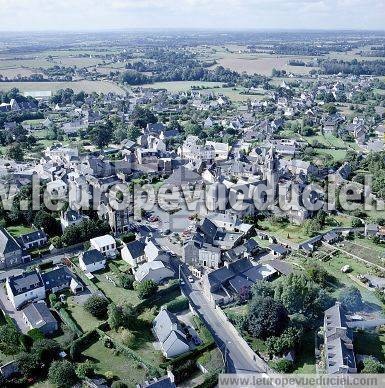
(109, 360)
(84, 319)
(18, 230)
(77, 86)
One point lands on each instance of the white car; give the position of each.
(190, 279)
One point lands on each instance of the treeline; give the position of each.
(354, 67)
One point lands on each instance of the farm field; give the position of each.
(77, 86)
(182, 86)
(262, 63)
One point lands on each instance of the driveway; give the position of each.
(8, 309)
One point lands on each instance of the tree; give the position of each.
(312, 227)
(263, 289)
(85, 369)
(299, 294)
(146, 289)
(142, 116)
(351, 299)
(45, 350)
(9, 339)
(27, 363)
(126, 281)
(133, 133)
(62, 374)
(120, 316)
(318, 274)
(266, 317)
(118, 384)
(287, 341)
(15, 152)
(48, 222)
(101, 135)
(356, 223)
(371, 365)
(97, 306)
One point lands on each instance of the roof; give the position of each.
(58, 277)
(238, 283)
(27, 281)
(209, 229)
(339, 356)
(102, 241)
(38, 314)
(164, 323)
(33, 236)
(183, 176)
(7, 243)
(136, 248)
(281, 266)
(92, 256)
(278, 248)
(164, 382)
(259, 272)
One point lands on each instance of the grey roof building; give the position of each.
(339, 351)
(38, 316)
(11, 253)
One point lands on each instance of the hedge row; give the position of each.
(152, 370)
(157, 297)
(210, 381)
(82, 343)
(179, 304)
(68, 320)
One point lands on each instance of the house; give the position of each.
(371, 230)
(278, 250)
(153, 270)
(105, 244)
(133, 252)
(92, 261)
(38, 316)
(152, 250)
(11, 253)
(71, 217)
(169, 333)
(35, 239)
(28, 286)
(331, 237)
(338, 341)
(61, 278)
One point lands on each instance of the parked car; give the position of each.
(190, 279)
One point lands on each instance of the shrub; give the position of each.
(62, 374)
(127, 338)
(118, 384)
(96, 306)
(146, 289)
(283, 366)
(179, 304)
(25, 341)
(82, 343)
(126, 281)
(35, 335)
(85, 369)
(71, 324)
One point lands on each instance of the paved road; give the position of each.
(237, 360)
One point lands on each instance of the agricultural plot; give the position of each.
(365, 252)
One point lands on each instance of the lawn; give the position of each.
(18, 230)
(118, 295)
(109, 360)
(84, 319)
(365, 251)
(370, 343)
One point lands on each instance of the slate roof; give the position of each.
(7, 243)
(280, 249)
(209, 229)
(183, 176)
(136, 248)
(27, 281)
(58, 277)
(38, 314)
(92, 256)
(33, 236)
(238, 283)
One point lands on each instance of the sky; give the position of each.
(76, 15)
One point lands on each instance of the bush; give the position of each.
(35, 335)
(9, 339)
(52, 299)
(283, 366)
(62, 374)
(128, 237)
(146, 289)
(184, 371)
(118, 384)
(127, 338)
(25, 341)
(179, 304)
(82, 343)
(85, 369)
(126, 281)
(96, 306)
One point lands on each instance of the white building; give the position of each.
(104, 244)
(28, 286)
(92, 261)
(154, 270)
